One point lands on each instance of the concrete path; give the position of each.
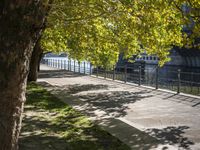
(141, 117)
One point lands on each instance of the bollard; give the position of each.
(179, 81)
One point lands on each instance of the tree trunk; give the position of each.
(20, 26)
(35, 62)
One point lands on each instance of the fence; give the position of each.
(176, 80)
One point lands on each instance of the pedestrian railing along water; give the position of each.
(185, 82)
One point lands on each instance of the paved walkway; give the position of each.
(141, 117)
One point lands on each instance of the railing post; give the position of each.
(58, 64)
(90, 69)
(97, 71)
(61, 64)
(84, 66)
(157, 77)
(70, 64)
(139, 83)
(79, 67)
(125, 73)
(74, 66)
(105, 73)
(179, 81)
(113, 72)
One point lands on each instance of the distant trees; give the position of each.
(99, 31)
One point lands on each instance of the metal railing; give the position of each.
(175, 80)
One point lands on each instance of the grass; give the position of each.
(51, 124)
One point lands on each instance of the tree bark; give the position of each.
(20, 26)
(35, 62)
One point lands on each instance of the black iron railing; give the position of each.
(175, 80)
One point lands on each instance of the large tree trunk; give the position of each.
(20, 26)
(35, 62)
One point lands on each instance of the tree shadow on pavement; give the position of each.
(50, 124)
(114, 103)
(58, 74)
(42, 134)
(172, 136)
(98, 101)
(179, 98)
(97, 98)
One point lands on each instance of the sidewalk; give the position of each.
(140, 117)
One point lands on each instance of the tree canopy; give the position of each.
(99, 30)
